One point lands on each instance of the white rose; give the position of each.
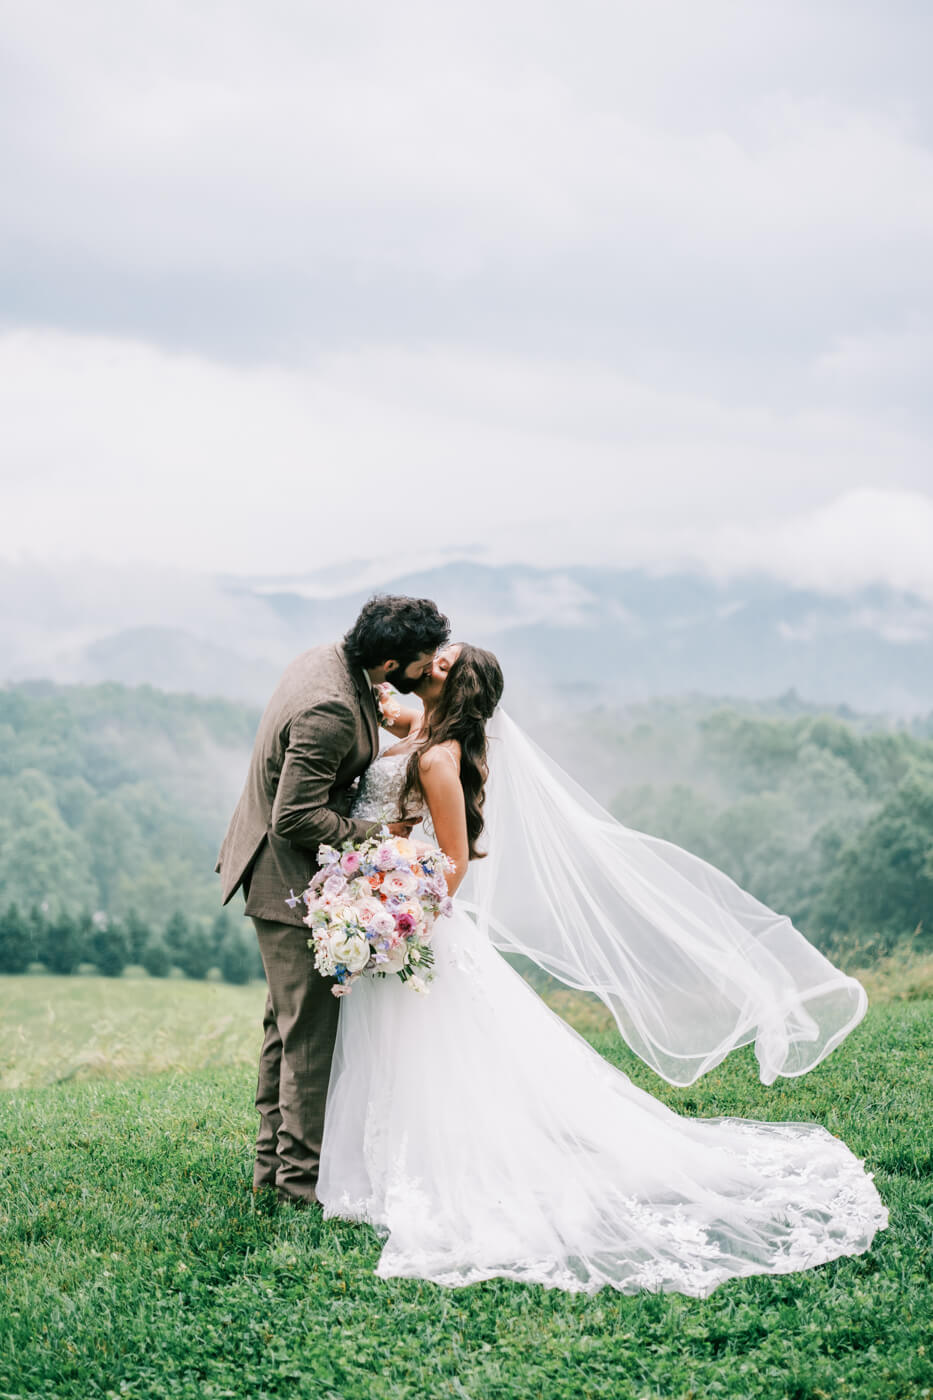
(395, 958)
(353, 951)
(381, 925)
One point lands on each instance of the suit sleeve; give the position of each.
(319, 739)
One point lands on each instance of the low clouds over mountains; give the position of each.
(575, 636)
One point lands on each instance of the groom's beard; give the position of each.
(402, 683)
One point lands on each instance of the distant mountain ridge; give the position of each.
(574, 636)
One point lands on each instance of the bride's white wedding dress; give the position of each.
(483, 1137)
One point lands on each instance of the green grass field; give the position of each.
(133, 1261)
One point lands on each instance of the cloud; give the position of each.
(124, 453)
(645, 181)
(615, 283)
(863, 537)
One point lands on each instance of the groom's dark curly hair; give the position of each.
(393, 627)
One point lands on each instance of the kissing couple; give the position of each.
(473, 1128)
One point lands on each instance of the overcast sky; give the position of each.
(292, 283)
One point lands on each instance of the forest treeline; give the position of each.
(113, 802)
(70, 943)
(824, 821)
(114, 799)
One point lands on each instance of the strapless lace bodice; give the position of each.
(380, 788)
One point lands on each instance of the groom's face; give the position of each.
(405, 681)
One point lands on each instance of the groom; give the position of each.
(317, 735)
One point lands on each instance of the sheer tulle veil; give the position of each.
(690, 964)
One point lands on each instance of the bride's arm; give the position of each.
(402, 726)
(439, 770)
(400, 720)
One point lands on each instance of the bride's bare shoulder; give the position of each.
(438, 755)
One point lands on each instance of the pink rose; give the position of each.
(400, 883)
(404, 923)
(350, 862)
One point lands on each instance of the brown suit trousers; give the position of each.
(300, 1026)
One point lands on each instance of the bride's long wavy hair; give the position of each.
(472, 690)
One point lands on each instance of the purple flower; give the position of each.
(405, 924)
(446, 907)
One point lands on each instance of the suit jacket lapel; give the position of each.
(367, 702)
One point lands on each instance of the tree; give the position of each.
(196, 956)
(882, 883)
(155, 956)
(190, 945)
(110, 949)
(237, 957)
(37, 927)
(65, 945)
(177, 933)
(15, 950)
(138, 934)
(86, 931)
(221, 930)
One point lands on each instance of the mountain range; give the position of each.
(571, 637)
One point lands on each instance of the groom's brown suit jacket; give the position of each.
(317, 735)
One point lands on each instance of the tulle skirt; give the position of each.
(483, 1138)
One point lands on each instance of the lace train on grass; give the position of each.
(483, 1137)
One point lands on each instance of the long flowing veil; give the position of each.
(690, 964)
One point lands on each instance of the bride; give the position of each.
(482, 1136)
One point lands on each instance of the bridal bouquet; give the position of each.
(371, 908)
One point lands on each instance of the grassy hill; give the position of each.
(135, 1262)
